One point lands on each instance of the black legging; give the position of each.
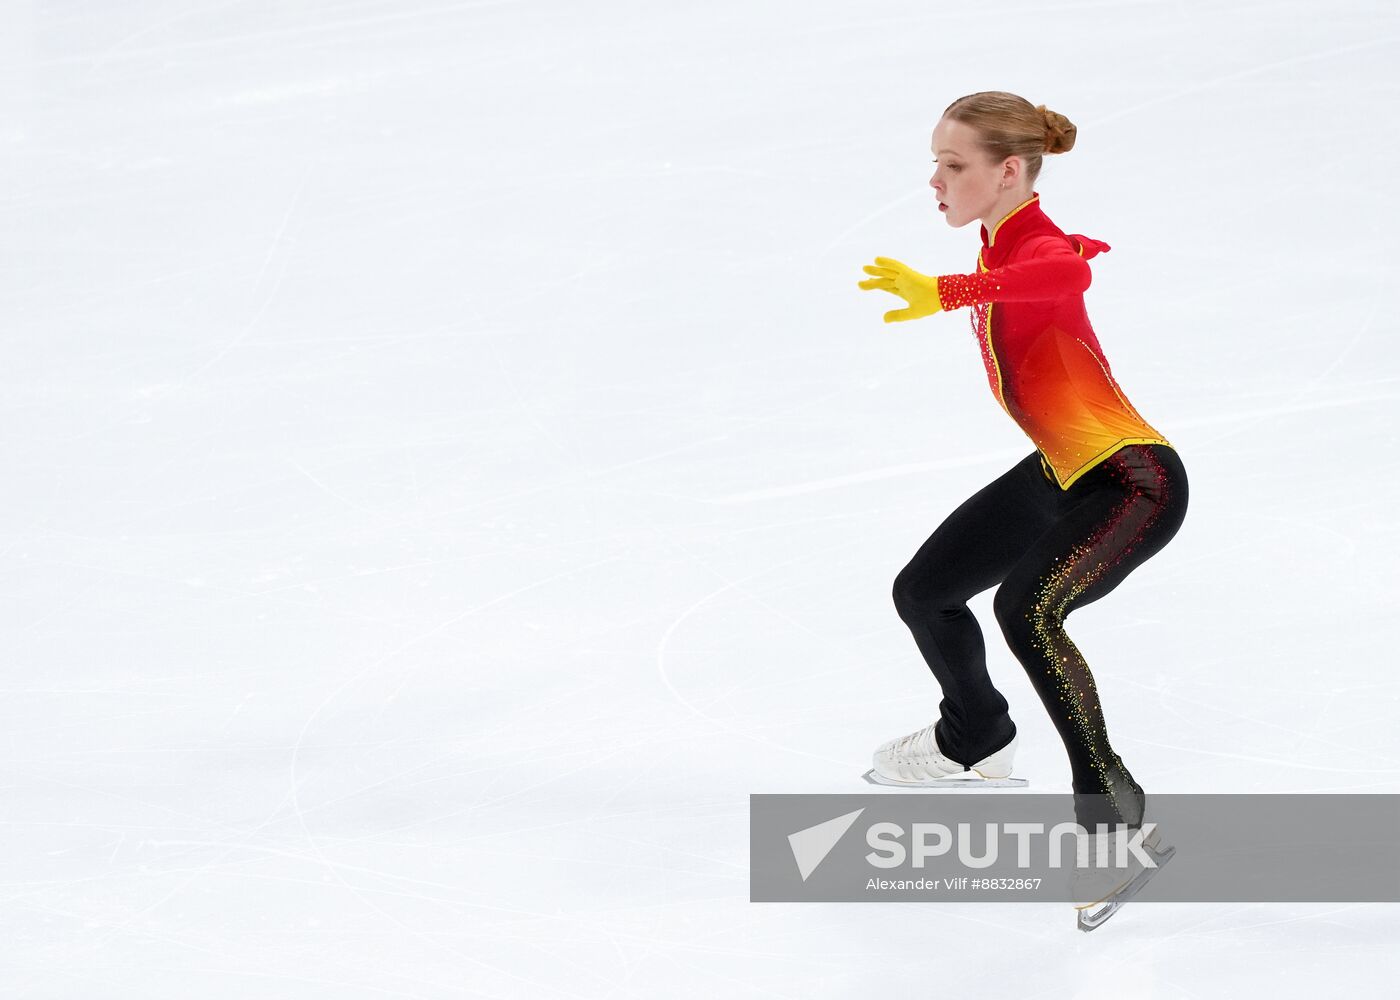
(1051, 551)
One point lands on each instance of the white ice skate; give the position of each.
(1101, 892)
(914, 761)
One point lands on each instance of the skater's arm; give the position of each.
(1051, 271)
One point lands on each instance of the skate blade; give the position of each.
(1091, 919)
(953, 781)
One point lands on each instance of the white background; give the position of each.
(449, 465)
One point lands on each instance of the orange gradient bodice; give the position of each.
(1044, 363)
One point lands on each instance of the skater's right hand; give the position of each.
(919, 290)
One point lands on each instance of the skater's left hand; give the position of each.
(919, 290)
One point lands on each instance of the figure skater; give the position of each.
(1102, 492)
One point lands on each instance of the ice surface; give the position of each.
(449, 466)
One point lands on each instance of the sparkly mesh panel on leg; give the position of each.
(1115, 518)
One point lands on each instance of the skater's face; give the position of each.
(967, 185)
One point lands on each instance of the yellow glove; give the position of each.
(919, 290)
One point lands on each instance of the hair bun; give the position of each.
(1059, 131)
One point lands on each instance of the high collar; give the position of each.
(1010, 223)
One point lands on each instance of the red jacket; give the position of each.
(1043, 362)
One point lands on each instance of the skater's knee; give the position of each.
(1008, 606)
(1020, 613)
(919, 595)
(906, 598)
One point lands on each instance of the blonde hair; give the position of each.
(1009, 125)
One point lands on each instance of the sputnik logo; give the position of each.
(811, 846)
